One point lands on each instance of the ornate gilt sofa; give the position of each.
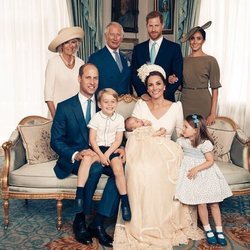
(24, 177)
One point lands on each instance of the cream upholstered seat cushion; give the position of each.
(236, 177)
(42, 176)
(36, 141)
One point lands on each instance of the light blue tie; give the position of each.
(88, 111)
(153, 53)
(118, 60)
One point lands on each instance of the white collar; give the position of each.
(111, 50)
(107, 117)
(84, 99)
(158, 41)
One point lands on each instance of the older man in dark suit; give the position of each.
(112, 64)
(160, 51)
(70, 140)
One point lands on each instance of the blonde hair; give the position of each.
(108, 91)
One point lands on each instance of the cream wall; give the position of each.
(145, 6)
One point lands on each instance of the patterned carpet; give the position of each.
(32, 226)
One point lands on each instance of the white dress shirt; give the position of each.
(84, 102)
(157, 46)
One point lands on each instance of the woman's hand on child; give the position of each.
(163, 131)
(192, 173)
(160, 132)
(146, 122)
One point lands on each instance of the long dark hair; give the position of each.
(198, 122)
(155, 73)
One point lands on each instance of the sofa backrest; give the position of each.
(126, 105)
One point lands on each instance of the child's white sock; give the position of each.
(219, 230)
(208, 228)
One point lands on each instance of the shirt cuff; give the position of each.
(73, 157)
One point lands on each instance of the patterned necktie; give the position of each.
(118, 60)
(88, 111)
(153, 53)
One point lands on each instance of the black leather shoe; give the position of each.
(78, 205)
(99, 233)
(126, 212)
(81, 233)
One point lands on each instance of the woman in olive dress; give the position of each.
(200, 71)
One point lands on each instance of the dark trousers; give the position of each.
(108, 205)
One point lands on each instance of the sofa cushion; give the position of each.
(234, 174)
(223, 134)
(42, 176)
(36, 141)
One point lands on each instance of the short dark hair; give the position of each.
(154, 14)
(81, 69)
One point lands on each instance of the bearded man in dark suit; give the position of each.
(160, 51)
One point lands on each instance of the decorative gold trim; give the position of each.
(241, 192)
(5, 171)
(127, 98)
(7, 194)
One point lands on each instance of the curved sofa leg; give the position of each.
(6, 213)
(59, 214)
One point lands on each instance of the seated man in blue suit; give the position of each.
(112, 64)
(160, 51)
(70, 140)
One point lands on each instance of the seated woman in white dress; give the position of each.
(158, 220)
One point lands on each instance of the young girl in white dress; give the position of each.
(201, 181)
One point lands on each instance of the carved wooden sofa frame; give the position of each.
(15, 160)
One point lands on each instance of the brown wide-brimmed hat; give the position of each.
(65, 35)
(190, 33)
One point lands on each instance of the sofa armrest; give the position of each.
(239, 149)
(14, 156)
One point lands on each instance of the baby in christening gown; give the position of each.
(149, 151)
(132, 123)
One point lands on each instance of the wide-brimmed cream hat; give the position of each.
(186, 36)
(65, 35)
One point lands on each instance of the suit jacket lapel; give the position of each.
(111, 58)
(123, 60)
(161, 52)
(145, 53)
(77, 109)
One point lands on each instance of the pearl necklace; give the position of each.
(68, 64)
